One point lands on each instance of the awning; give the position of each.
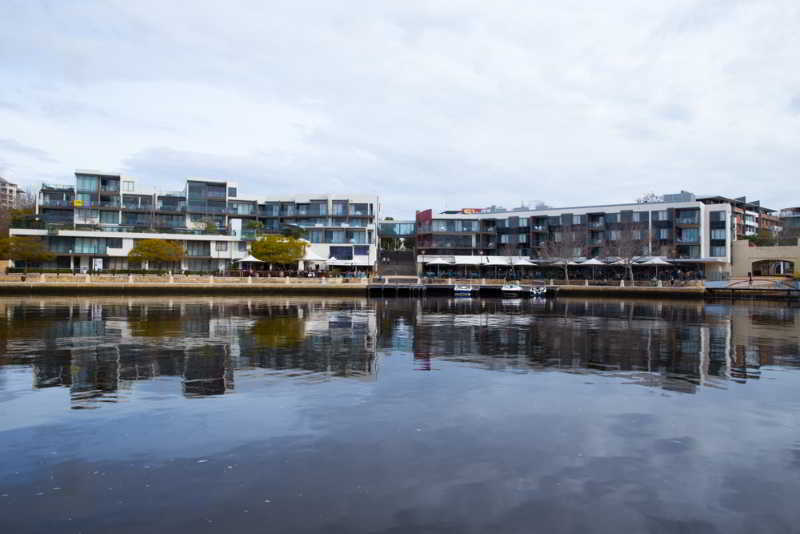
(248, 259)
(468, 260)
(593, 261)
(522, 262)
(497, 260)
(311, 256)
(437, 261)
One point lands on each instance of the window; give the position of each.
(689, 235)
(232, 192)
(663, 233)
(635, 216)
(127, 186)
(717, 216)
(505, 239)
(576, 219)
(198, 248)
(557, 237)
(613, 235)
(717, 251)
(612, 218)
(361, 251)
(242, 246)
(522, 238)
(341, 253)
(87, 183)
(222, 246)
(637, 235)
(718, 233)
(114, 242)
(109, 217)
(661, 215)
(523, 222)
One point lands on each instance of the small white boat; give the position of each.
(511, 289)
(464, 290)
(540, 291)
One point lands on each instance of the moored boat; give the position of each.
(511, 289)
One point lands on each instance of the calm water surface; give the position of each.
(437, 415)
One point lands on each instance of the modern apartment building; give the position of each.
(95, 222)
(790, 221)
(9, 194)
(749, 218)
(681, 228)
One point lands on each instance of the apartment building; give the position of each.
(749, 218)
(681, 228)
(95, 222)
(9, 194)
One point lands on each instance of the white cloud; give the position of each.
(426, 103)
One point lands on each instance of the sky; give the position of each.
(439, 104)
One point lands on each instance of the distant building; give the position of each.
(790, 221)
(9, 194)
(94, 223)
(749, 218)
(686, 230)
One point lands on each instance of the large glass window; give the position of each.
(361, 251)
(90, 245)
(109, 217)
(689, 235)
(718, 233)
(198, 248)
(341, 253)
(87, 183)
(717, 251)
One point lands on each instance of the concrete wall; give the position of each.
(744, 255)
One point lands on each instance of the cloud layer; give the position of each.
(429, 104)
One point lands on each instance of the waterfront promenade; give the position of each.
(116, 284)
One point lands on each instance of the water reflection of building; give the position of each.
(101, 350)
(673, 345)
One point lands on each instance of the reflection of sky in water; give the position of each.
(366, 416)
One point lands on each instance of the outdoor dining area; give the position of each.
(522, 268)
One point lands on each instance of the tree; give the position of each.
(630, 242)
(27, 249)
(278, 249)
(156, 250)
(563, 246)
(293, 231)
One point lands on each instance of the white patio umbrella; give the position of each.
(656, 261)
(593, 262)
(437, 262)
(248, 259)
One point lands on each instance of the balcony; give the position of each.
(688, 220)
(57, 203)
(180, 207)
(107, 204)
(109, 188)
(597, 224)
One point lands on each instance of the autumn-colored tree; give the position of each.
(278, 249)
(156, 250)
(27, 249)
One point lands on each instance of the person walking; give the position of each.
(749, 278)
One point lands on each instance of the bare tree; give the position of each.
(627, 242)
(564, 246)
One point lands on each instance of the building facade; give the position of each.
(683, 229)
(9, 194)
(95, 222)
(749, 218)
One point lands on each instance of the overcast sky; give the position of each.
(428, 104)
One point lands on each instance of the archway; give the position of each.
(772, 267)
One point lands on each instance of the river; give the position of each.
(354, 415)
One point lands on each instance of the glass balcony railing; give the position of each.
(688, 220)
(57, 203)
